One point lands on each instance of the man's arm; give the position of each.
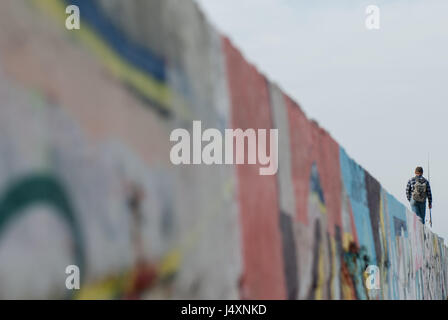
(408, 190)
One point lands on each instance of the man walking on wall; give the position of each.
(417, 190)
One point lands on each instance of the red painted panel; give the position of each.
(263, 275)
(310, 143)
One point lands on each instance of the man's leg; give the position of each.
(414, 207)
(421, 211)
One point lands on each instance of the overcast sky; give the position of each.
(382, 94)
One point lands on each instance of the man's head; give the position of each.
(418, 171)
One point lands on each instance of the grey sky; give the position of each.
(381, 94)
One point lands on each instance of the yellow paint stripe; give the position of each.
(334, 274)
(320, 274)
(106, 289)
(145, 85)
(347, 238)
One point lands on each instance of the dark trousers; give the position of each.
(419, 208)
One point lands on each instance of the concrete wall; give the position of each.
(86, 179)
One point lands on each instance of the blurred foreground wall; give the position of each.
(86, 177)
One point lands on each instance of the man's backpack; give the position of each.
(419, 193)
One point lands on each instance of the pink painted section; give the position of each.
(263, 275)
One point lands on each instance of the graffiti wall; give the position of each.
(86, 177)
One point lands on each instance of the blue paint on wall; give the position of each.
(397, 216)
(353, 178)
(139, 56)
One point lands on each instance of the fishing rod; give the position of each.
(429, 181)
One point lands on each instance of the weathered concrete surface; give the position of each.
(85, 175)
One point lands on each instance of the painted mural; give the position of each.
(85, 175)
